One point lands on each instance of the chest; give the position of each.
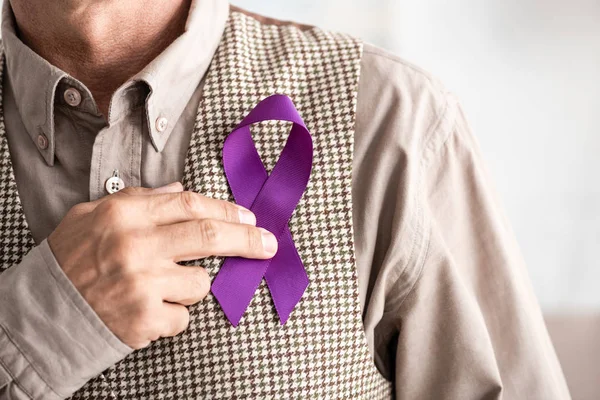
(321, 351)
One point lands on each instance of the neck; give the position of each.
(102, 44)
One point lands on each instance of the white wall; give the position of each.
(528, 75)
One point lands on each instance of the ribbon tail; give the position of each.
(235, 285)
(286, 277)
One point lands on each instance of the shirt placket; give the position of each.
(117, 153)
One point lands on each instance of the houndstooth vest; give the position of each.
(321, 353)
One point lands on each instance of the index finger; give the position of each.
(172, 208)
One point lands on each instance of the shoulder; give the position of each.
(402, 103)
(289, 33)
(265, 20)
(397, 100)
(404, 116)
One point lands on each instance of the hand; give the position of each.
(121, 253)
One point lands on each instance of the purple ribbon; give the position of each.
(273, 199)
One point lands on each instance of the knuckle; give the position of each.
(200, 281)
(209, 232)
(112, 210)
(254, 239)
(191, 203)
(184, 321)
(230, 212)
(79, 209)
(138, 344)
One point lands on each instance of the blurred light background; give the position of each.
(528, 75)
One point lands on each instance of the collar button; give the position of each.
(161, 124)
(42, 141)
(72, 97)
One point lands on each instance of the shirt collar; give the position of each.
(34, 83)
(172, 77)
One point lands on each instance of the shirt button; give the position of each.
(72, 97)
(42, 141)
(161, 124)
(114, 183)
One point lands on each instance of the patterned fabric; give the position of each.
(15, 237)
(321, 353)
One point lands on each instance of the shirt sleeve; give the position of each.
(448, 309)
(51, 340)
(471, 327)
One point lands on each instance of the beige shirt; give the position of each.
(448, 309)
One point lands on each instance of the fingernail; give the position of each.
(170, 188)
(269, 242)
(246, 216)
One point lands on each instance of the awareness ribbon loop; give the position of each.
(272, 198)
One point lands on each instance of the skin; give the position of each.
(91, 39)
(121, 251)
